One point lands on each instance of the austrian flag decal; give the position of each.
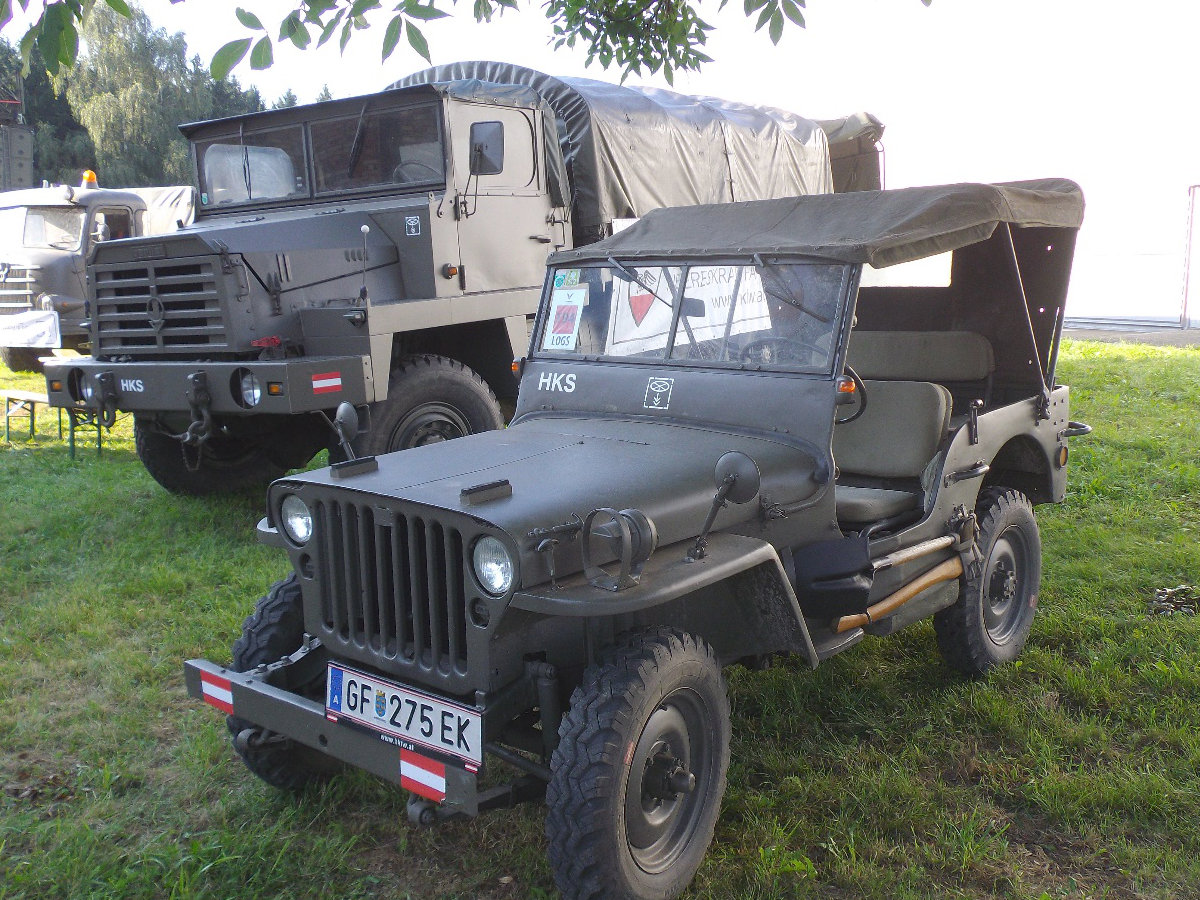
(217, 691)
(422, 775)
(327, 383)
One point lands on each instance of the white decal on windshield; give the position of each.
(658, 393)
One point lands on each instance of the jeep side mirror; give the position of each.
(345, 423)
(738, 481)
(487, 148)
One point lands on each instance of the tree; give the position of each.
(324, 95)
(637, 35)
(131, 89)
(287, 101)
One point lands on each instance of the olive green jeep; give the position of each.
(737, 437)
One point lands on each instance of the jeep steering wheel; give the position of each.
(777, 349)
(860, 390)
(414, 171)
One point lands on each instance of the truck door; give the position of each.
(503, 230)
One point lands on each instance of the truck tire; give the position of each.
(430, 399)
(227, 465)
(274, 630)
(22, 359)
(637, 778)
(990, 622)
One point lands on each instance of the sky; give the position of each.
(970, 90)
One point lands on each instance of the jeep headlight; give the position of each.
(493, 565)
(297, 518)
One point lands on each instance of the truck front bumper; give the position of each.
(287, 386)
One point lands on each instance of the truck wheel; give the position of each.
(22, 359)
(637, 778)
(991, 620)
(227, 465)
(430, 399)
(276, 629)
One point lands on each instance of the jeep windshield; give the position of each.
(768, 315)
(37, 227)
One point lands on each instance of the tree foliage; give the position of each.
(133, 87)
(637, 36)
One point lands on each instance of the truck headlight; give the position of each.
(297, 518)
(247, 389)
(87, 388)
(493, 565)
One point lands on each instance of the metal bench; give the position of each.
(23, 405)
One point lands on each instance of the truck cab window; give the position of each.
(396, 146)
(265, 166)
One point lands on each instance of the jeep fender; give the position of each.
(738, 597)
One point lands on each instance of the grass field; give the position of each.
(1075, 773)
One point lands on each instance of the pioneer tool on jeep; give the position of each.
(387, 250)
(730, 444)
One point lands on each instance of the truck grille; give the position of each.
(393, 589)
(17, 288)
(164, 306)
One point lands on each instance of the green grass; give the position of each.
(1073, 774)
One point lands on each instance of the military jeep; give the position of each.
(733, 441)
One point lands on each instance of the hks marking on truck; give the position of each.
(133, 385)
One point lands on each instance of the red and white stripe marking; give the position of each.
(217, 691)
(422, 776)
(327, 383)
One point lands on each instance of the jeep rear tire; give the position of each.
(990, 623)
(22, 359)
(430, 399)
(275, 630)
(226, 464)
(639, 772)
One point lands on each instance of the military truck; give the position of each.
(387, 251)
(47, 234)
(729, 445)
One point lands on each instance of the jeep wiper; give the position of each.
(636, 280)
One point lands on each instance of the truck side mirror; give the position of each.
(487, 148)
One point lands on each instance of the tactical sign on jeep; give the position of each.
(730, 444)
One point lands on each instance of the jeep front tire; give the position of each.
(274, 630)
(639, 772)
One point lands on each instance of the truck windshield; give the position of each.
(266, 165)
(393, 146)
(57, 227)
(781, 316)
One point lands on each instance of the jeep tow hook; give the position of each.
(250, 739)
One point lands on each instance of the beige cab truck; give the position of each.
(46, 235)
(388, 251)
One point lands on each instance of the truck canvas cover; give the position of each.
(633, 149)
(879, 228)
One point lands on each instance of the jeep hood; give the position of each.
(559, 468)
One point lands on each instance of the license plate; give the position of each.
(403, 715)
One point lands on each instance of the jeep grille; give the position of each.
(393, 589)
(17, 289)
(163, 306)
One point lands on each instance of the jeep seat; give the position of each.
(963, 361)
(882, 455)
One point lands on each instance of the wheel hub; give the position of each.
(666, 777)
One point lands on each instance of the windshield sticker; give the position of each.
(658, 393)
(641, 320)
(566, 278)
(566, 312)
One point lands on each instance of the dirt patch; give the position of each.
(38, 782)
